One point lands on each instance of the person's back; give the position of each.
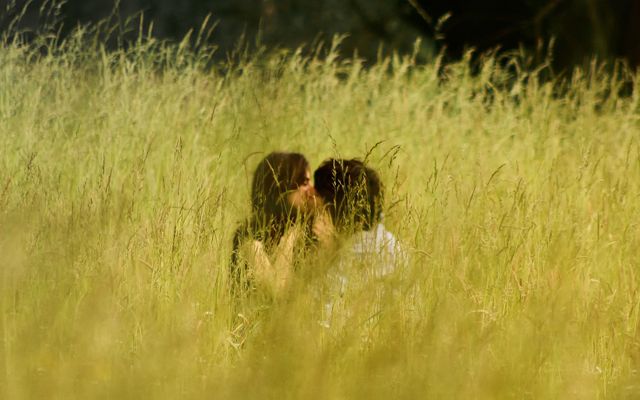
(368, 252)
(379, 248)
(353, 197)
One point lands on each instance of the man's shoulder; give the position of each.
(376, 240)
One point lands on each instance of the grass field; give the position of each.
(123, 175)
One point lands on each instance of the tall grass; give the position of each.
(124, 173)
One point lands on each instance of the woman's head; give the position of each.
(280, 191)
(351, 191)
(281, 186)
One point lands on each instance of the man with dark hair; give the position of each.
(353, 196)
(352, 193)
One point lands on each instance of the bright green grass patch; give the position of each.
(123, 176)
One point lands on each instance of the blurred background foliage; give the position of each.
(577, 29)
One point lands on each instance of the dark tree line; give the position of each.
(581, 28)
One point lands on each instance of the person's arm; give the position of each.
(272, 276)
(324, 231)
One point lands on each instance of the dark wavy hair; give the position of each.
(277, 175)
(352, 192)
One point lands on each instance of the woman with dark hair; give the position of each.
(264, 246)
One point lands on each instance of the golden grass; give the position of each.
(123, 175)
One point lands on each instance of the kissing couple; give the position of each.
(294, 220)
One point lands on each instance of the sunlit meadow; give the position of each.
(123, 175)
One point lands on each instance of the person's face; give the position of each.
(303, 197)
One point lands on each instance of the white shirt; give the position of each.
(369, 256)
(379, 248)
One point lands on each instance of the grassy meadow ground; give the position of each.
(123, 175)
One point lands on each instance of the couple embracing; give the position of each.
(294, 221)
